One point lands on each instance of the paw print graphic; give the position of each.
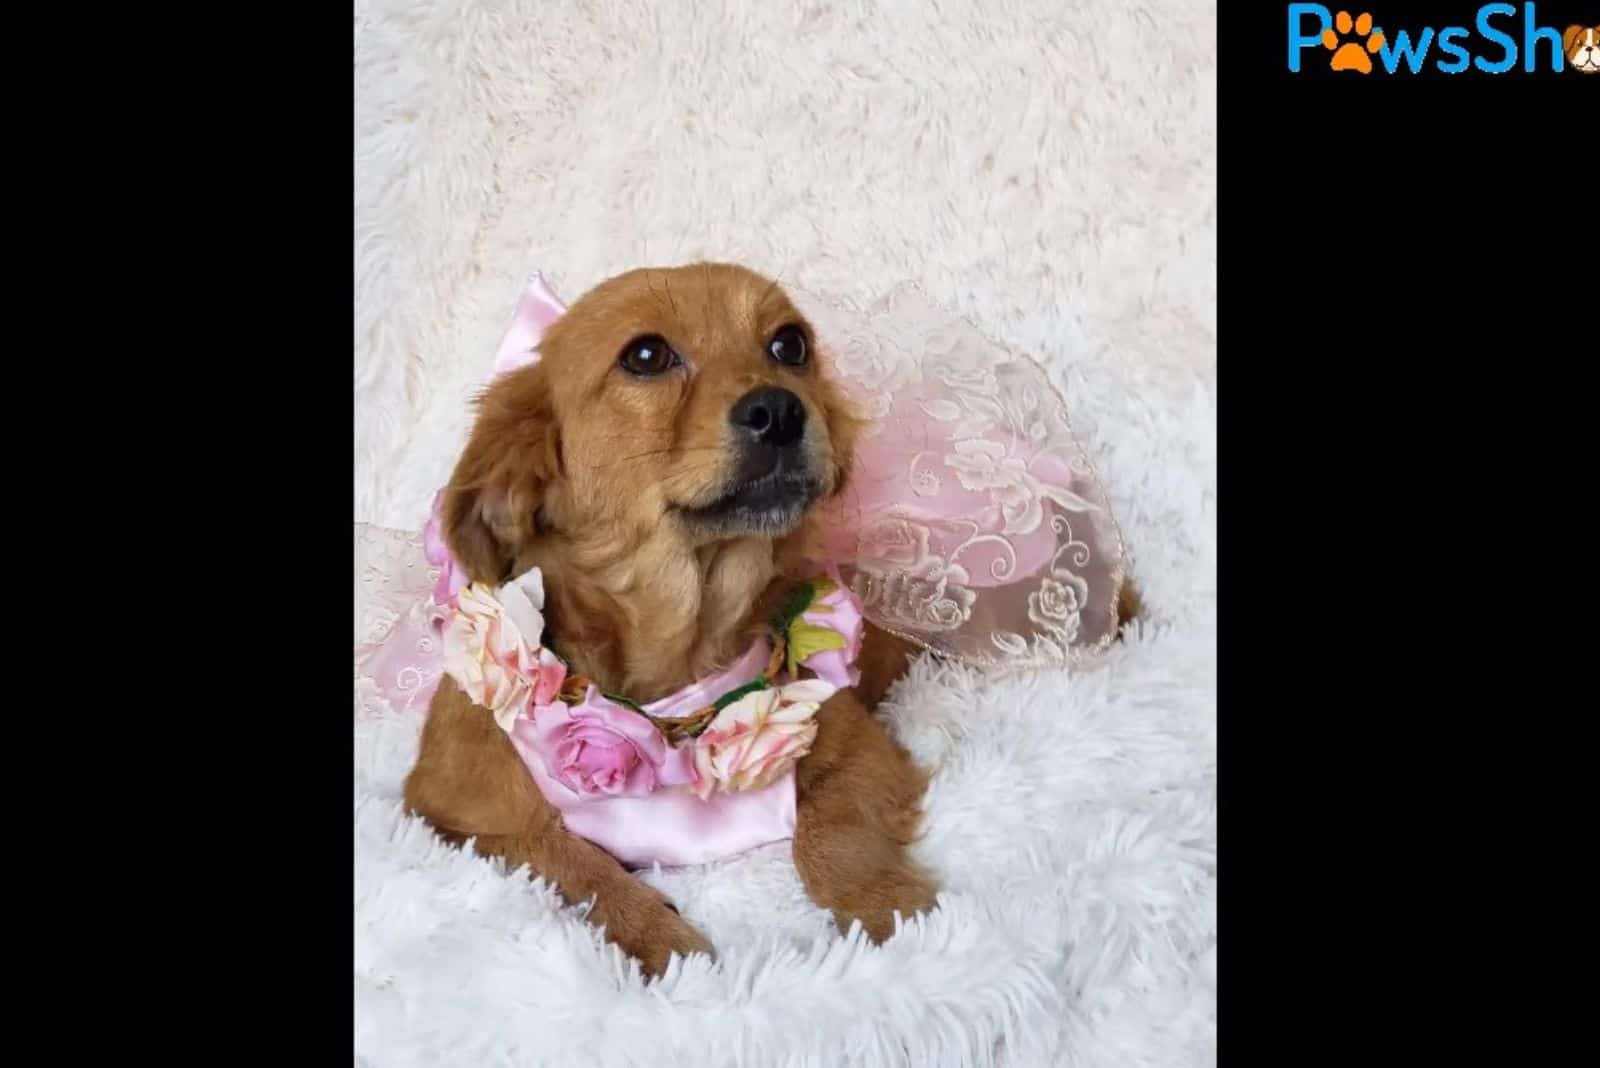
(1349, 55)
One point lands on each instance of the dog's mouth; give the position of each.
(771, 503)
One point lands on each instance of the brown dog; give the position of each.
(1582, 47)
(658, 464)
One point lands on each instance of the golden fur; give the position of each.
(580, 469)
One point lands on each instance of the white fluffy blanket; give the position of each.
(1045, 169)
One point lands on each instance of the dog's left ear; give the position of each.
(491, 503)
(1570, 38)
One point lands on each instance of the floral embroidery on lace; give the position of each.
(975, 521)
(394, 618)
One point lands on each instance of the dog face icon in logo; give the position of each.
(1349, 55)
(1582, 46)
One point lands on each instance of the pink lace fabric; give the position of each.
(974, 524)
(399, 659)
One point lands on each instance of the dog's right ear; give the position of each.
(1570, 38)
(492, 501)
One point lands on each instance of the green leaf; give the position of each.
(797, 603)
(624, 701)
(808, 639)
(804, 599)
(733, 695)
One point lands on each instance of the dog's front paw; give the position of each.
(861, 873)
(644, 925)
(904, 888)
(669, 935)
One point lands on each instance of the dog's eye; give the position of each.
(788, 346)
(649, 356)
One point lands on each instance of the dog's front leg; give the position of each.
(859, 798)
(469, 783)
(636, 918)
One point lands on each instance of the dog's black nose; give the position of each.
(770, 415)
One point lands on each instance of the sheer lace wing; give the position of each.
(973, 522)
(398, 658)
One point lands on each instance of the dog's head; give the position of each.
(670, 410)
(1582, 47)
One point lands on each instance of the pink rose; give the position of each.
(600, 749)
(757, 738)
(840, 611)
(452, 577)
(548, 675)
(492, 650)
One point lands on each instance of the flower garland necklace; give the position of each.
(741, 730)
(794, 641)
